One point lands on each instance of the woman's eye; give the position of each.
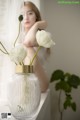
(30, 13)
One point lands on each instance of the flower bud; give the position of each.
(20, 18)
(44, 39)
(18, 54)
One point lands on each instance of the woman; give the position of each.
(32, 23)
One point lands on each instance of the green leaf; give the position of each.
(67, 76)
(67, 103)
(74, 81)
(58, 86)
(57, 75)
(68, 96)
(73, 106)
(66, 87)
(63, 86)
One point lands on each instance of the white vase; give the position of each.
(24, 93)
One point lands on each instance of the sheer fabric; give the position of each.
(9, 12)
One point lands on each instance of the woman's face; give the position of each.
(29, 17)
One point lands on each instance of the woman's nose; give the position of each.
(26, 17)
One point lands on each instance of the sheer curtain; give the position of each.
(9, 12)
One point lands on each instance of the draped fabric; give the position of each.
(9, 12)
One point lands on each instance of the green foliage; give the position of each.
(68, 103)
(74, 81)
(65, 82)
(63, 85)
(73, 105)
(57, 75)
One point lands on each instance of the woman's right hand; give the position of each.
(41, 24)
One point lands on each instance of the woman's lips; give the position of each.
(27, 22)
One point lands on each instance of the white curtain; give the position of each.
(9, 12)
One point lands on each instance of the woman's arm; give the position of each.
(38, 69)
(30, 43)
(30, 38)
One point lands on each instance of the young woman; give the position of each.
(31, 24)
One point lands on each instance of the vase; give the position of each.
(24, 93)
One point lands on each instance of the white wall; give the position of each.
(64, 24)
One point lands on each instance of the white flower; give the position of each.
(18, 53)
(44, 39)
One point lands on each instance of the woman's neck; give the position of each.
(26, 30)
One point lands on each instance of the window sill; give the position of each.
(5, 109)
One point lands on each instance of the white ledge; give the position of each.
(4, 108)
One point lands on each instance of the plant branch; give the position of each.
(59, 103)
(61, 115)
(35, 55)
(6, 52)
(17, 35)
(3, 51)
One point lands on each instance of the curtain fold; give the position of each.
(9, 12)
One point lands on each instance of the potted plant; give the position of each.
(65, 82)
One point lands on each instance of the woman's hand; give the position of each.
(41, 24)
